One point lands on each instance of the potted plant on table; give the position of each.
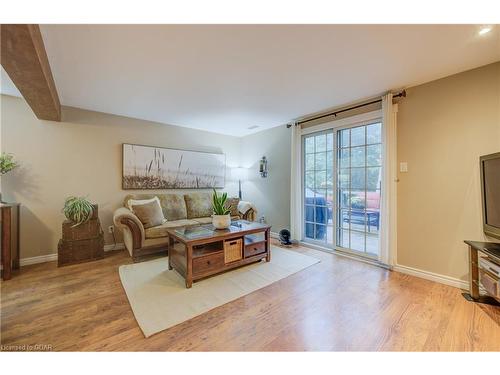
(221, 219)
(7, 164)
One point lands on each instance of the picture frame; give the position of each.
(153, 167)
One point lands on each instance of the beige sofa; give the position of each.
(179, 210)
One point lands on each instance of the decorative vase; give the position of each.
(221, 221)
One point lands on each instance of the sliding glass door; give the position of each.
(318, 185)
(342, 188)
(358, 171)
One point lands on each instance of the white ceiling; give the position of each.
(227, 78)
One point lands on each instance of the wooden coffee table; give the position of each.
(200, 251)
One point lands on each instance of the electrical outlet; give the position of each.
(111, 229)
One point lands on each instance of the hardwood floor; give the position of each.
(338, 304)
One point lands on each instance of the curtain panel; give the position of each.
(388, 219)
(296, 184)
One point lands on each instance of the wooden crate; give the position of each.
(233, 250)
(89, 229)
(71, 252)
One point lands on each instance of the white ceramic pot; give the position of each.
(221, 221)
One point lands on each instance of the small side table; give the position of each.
(491, 250)
(9, 219)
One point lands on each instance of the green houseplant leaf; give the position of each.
(78, 209)
(218, 203)
(7, 163)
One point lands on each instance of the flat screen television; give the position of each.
(490, 192)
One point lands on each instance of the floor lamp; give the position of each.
(240, 174)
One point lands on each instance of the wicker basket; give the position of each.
(71, 252)
(81, 243)
(233, 250)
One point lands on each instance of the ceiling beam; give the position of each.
(24, 59)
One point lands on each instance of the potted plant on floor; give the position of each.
(221, 219)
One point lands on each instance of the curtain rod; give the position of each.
(402, 94)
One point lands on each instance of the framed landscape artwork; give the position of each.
(148, 167)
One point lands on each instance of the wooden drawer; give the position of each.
(207, 264)
(255, 249)
(490, 283)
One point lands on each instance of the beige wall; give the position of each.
(443, 128)
(81, 156)
(271, 195)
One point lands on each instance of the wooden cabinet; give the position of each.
(208, 252)
(9, 233)
(484, 271)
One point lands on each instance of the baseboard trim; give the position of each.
(53, 257)
(118, 246)
(275, 235)
(38, 259)
(447, 280)
(442, 279)
(361, 259)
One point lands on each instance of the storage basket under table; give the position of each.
(233, 250)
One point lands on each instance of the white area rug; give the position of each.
(160, 300)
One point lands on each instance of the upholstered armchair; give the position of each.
(247, 211)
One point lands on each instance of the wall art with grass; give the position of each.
(148, 167)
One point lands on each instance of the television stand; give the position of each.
(490, 252)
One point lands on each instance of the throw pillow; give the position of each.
(232, 204)
(174, 206)
(198, 205)
(150, 214)
(136, 202)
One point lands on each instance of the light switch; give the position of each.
(403, 167)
